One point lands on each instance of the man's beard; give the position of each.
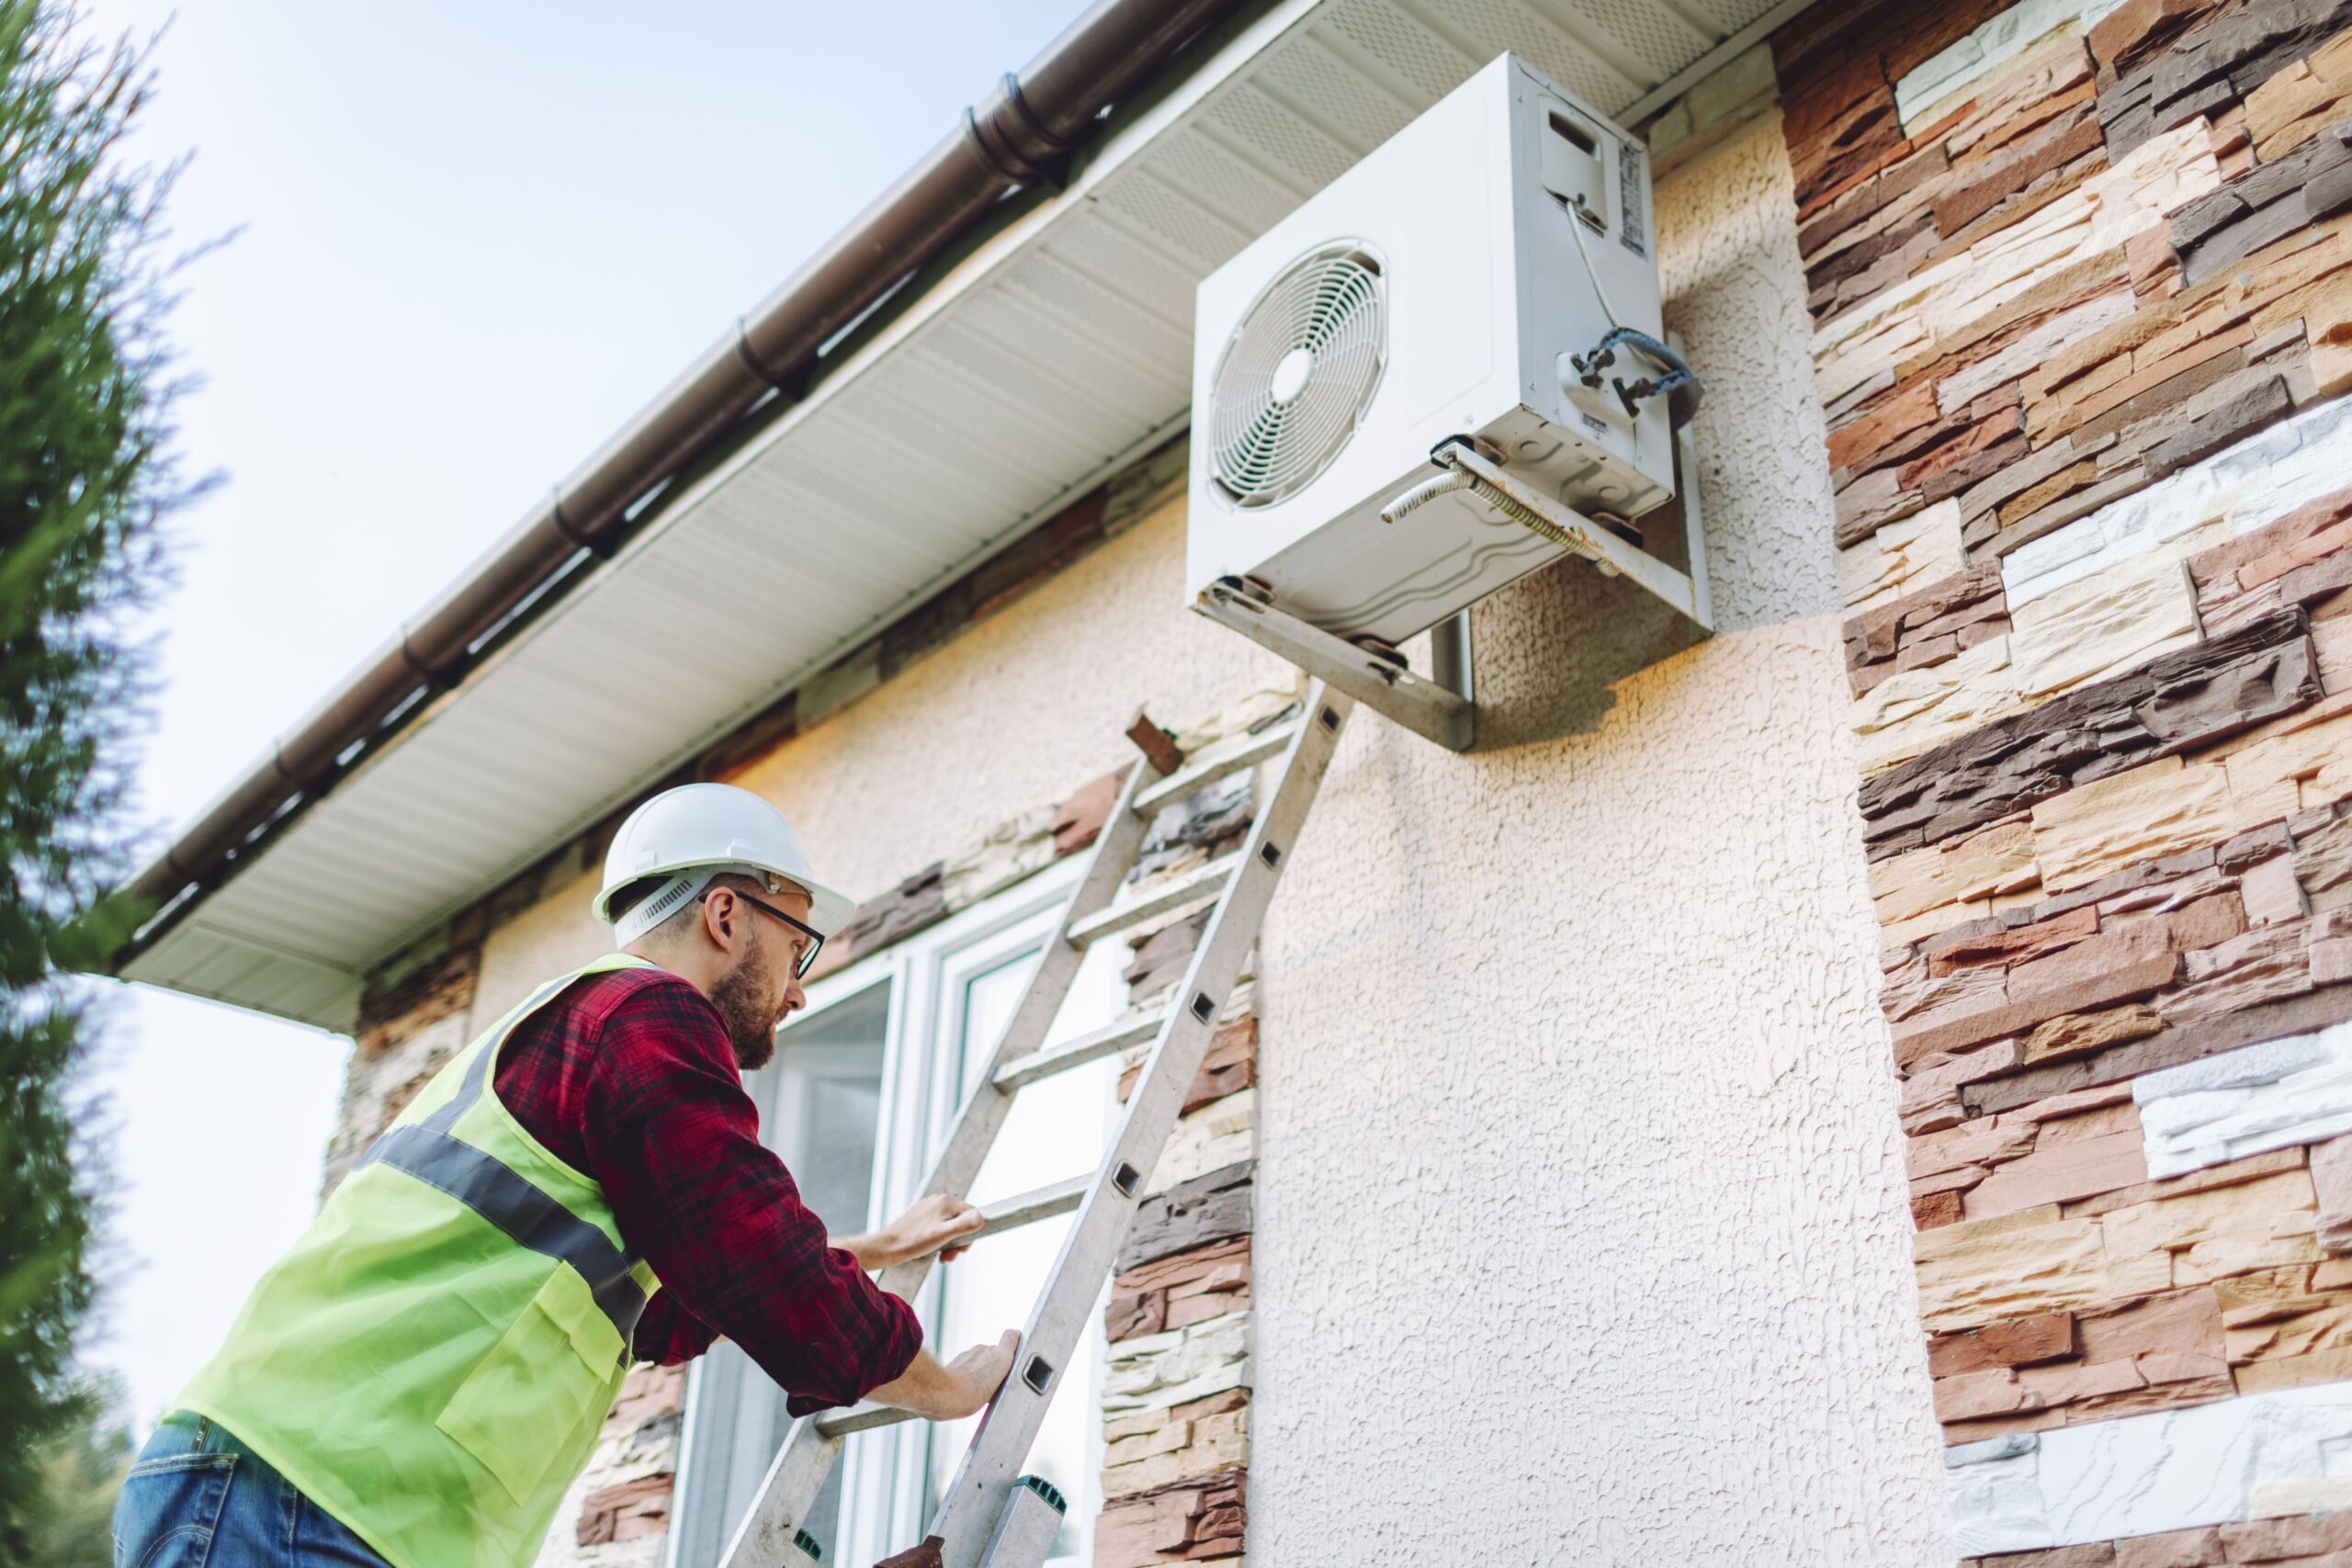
(742, 997)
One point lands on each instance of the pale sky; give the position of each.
(475, 239)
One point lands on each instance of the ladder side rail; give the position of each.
(980, 1491)
(794, 1478)
(981, 1116)
(798, 1473)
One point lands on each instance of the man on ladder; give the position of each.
(422, 1377)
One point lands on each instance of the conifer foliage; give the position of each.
(85, 473)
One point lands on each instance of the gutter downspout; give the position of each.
(1016, 137)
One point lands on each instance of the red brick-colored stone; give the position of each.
(2009, 945)
(1229, 1066)
(1187, 1522)
(1078, 819)
(1930, 1210)
(2294, 1535)
(1188, 1288)
(2047, 1337)
(1950, 1032)
(1890, 429)
(2057, 1172)
(626, 1512)
(2094, 1554)
(2173, 1549)
(2129, 30)
(646, 1394)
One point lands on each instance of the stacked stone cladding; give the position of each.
(1177, 1386)
(2080, 282)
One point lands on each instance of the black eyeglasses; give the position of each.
(816, 940)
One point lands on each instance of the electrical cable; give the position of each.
(1576, 227)
(1681, 389)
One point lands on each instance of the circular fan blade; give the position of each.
(1329, 304)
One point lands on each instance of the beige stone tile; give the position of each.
(1903, 322)
(2219, 1232)
(1901, 557)
(1875, 337)
(1213, 1136)
(2267, 773)
(1912, 712)
(2292, 1371)
(2301, 99)
(2104, 624)
(2156, 178)
(2211, 1176)
(1212, 1443)
(1997, 859)
(1163, 1436)
(2020, 1264)
(2139, 814)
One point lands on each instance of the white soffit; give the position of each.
(1052, 356)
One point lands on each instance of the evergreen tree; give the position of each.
(69, 1522)
(86, 472)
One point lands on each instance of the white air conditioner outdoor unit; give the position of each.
(1489, 273)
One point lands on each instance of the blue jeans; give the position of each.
(199, 1498)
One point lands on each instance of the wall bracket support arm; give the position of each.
(1420, 704)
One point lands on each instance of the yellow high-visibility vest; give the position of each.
(433, 1360)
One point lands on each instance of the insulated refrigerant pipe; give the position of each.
(1016, 138)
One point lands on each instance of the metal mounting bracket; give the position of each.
(1684, 592)
(1443, 709)
(1420, 704)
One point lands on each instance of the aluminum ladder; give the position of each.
(989, 1517)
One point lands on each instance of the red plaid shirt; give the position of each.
(628, 1076)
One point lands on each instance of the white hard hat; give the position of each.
(696, 832)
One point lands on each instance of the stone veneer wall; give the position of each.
(2081, 276)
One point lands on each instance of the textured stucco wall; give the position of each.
(1582, 1234)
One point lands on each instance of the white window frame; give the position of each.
(885, 1473)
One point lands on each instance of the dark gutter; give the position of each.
(1022, 135)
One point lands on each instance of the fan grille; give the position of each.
(1297, 376)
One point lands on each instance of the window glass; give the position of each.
(821, 1100)
(1057, 1128)
(859, 1100)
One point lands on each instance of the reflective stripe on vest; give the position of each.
(490, 1188)
(522, 1211)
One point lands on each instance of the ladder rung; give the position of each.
(862, 1416)
(1090, 1047)
(1220, 761)
(1061, 1196)
(1194, 885)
